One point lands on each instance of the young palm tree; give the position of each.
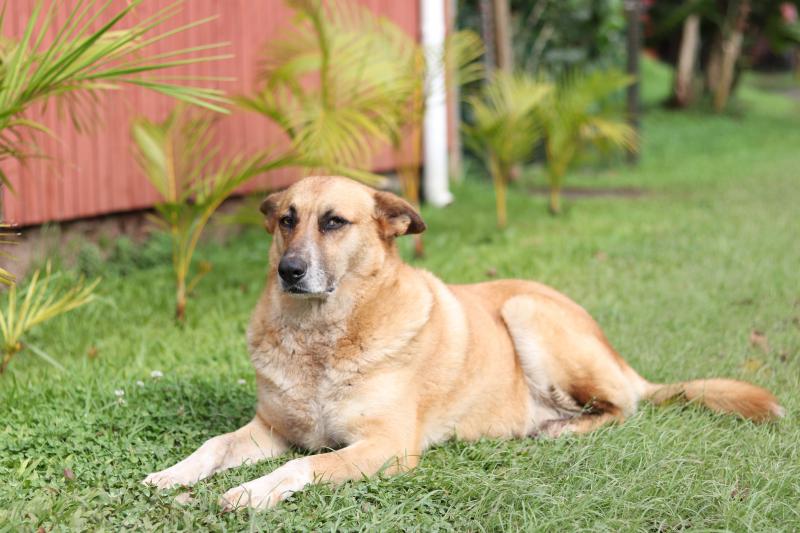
(506, 127)
(79, 63)
(179, 158)
(360, 88)
(576, 116)
(39, 302)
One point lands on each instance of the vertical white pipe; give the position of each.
(434, 148)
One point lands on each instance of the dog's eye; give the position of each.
(286, 221)
(333, 223)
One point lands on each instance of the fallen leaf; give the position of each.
(69, 474)
(752, 364)
(759, 340)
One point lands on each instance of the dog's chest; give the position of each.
(304, 388)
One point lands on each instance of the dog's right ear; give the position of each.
(270, 207)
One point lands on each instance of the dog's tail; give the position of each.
(720, 395)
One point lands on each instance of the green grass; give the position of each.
(678, 278)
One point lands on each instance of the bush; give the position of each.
(560, 36)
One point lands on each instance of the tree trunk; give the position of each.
(487, 35)
(502, 34)
(500, 179)
(555, 196)
(409, 182)
(180, 301)
(731, 49)
(633, 11)
(500, 201)
(454, 106)
(684, 74)
(714, 65)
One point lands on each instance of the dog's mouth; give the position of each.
(302, 292)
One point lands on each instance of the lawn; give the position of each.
(680, 278)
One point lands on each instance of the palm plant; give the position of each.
(367, 87)
(506, 127)
(39, 302)
(79, 63)
(358, 89)
(180, 160)
(577, 116)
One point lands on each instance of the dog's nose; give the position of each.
(292, 269)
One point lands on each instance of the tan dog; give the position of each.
(357, 352)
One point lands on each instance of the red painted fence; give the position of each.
(95, 173)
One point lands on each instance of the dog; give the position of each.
(360, 354)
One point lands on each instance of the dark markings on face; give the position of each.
(330, 221)
(289, 221)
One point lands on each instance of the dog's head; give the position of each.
(327, 229)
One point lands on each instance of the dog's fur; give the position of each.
(377, 360)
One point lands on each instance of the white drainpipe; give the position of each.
(435, 184)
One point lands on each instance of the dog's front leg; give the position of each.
(363, 458)
(251, 443)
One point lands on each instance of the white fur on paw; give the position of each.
(554, 428)
(266, 492)
(169, 478)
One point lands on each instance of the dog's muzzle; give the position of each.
(295, 278)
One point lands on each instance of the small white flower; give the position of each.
(156, 374)
(241, 382)
(121, 401)
(119, 393)
(139, 383)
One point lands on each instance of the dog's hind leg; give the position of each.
(579, 424)
(577, 382)
(251, 443)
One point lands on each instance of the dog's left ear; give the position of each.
(396, 216)
(270, 209)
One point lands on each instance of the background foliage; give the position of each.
(560, 35)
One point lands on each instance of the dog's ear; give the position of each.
(395, 216)
(270, 209)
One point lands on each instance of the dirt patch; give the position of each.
(592, 192)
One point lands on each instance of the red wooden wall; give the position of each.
(95, 173)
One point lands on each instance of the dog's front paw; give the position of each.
(170, 478)
(268, 491)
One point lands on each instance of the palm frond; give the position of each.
(579, 113)
(359, 65)
(79, 63)
(505, 121)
